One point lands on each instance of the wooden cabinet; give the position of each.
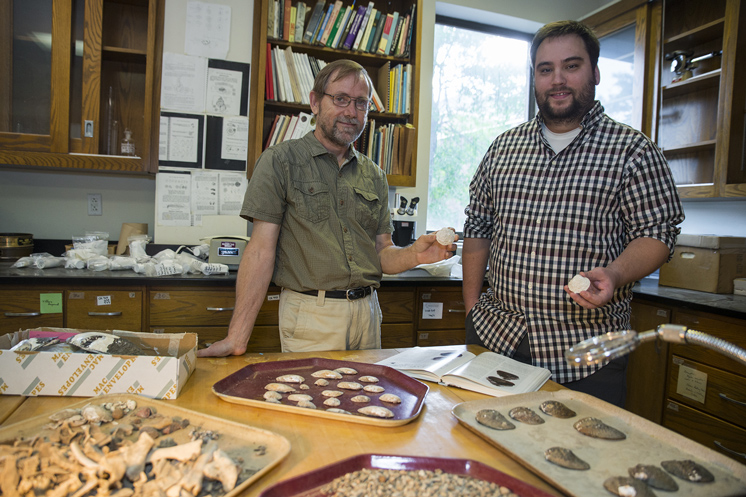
(207, 311)
(263, 111)
(705, 398)
(23, 309)
(104, 309)
(70, 70)
(397, 306)
(441, 314)
(701, 116)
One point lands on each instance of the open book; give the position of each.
(488, 373)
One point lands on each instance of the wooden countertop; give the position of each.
(317, 442)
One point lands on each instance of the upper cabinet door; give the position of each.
(35, 50)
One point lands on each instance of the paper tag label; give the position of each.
(103, 300)
(162, 296)
(76, 295)
(161, 270)
(273, 297)
(50, 303)
(692, 384)
(432, 310)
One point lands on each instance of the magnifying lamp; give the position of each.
(603, 348)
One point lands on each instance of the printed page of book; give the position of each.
(520, 377)
(428, 363)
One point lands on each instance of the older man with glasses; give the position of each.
(322, 230)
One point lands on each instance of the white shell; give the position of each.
(271, 394)
(279, 387)
(338, 411)
(368, 379)
(327, 373)
(298, 397)
(303, 386)
(390, 398)
(373, 388)
(360, 398)
(96, 414)
(376, 411)
(321, 382)
(307, 404)
(332, 393)
(445, 236)
(290, 378)
(349, 385)
(578, 283)
(346, 370)
(332, 402)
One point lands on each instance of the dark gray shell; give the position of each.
(654, 477)
(594, 427)
(565, 458)
(689, 470)
(493, 419)
(620, 485)
(525, 415)
(556, 409)
(105, 343)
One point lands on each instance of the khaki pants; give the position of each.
(316, 323)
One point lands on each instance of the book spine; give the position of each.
(391, 48)
(363, 27)
(341, 37)
(300, 21)
(313, 22)
(412, 23)
(330, 23)
(291, 31)
(371, 32)
(335, 28)
(403, 36)
(286, 20)
(355, 28)
(392, 32)
(381, 50)
(379, 32)
(344, 18)
(269, 91)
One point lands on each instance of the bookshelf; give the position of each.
(701, 117)
(263, 110)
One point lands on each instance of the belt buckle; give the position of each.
(354, 294)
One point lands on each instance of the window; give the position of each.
(481, 88)
(616, 63)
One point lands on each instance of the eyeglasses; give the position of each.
(343, 101)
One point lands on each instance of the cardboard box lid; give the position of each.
(711, 241)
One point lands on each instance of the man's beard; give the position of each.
(581, 103)
(334, 135)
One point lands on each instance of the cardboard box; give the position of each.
(739, 286)
(707, 263)
(83, 374)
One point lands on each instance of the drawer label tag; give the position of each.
(432, 310)
(50, 303)
(103, 299)
(692, 384)
(272, 297)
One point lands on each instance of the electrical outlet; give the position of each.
(95, 207)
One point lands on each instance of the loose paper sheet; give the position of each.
(208, 30)
(235, 138)
(183, 82)
(183, 136)
(232, 191)
(205, 193)
(173, 194)
(224, 91)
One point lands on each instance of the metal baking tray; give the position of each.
(646, 443)
(256, 449)
(246, 386)
(309, 484)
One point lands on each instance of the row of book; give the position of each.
(388, 145)
(363, 28)
(400, 89)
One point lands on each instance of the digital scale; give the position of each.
(227, 250)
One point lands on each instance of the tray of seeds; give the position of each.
(587, 447)
(404, 476)
(327, 388)
(132, 445)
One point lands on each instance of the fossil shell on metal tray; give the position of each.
(506, 375)
(349, 385)
(368, 379)
(626, 486)
(298, 397)
(104, 343)
(321, 382)
(688, 470)
(279, 387)
(345, 370)
(526, 416)
(271, 394)
(327, 373)
(373, 388)
(654, 476)
(332, 402)
(32, 344)
(361, 399)
(594, 427)
(290, 378)
(493, 419)
(307, 404)
(338, 411)
(376, 411)
(332, 393)
(556, 409)
(390, 398)
(565, 458)
(303, 386)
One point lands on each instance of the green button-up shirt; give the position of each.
(329, 215)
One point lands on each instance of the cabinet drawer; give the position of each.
(724, 395)
(397, 304)
(441, 309)
(206, 307)
(730, 330)
(707, 430)
(263, 338)
(104, 310)
(22, 310)
(394, 336)
(427, 338)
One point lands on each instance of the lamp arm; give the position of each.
(675, 333)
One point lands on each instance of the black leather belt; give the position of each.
(351, 294)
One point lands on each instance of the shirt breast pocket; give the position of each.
(367, 209)
(312, 200)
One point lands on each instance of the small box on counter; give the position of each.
(61, 372)
(739, 286)
(708, 263)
